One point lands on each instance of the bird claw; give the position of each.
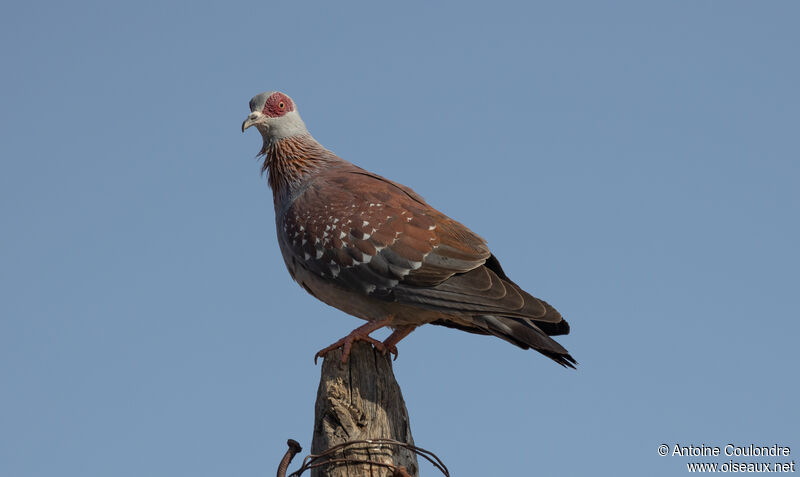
(346, 344)
(392, 349)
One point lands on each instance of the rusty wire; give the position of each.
(325, 458)
(294, 449)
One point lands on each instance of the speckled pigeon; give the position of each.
(375, 249)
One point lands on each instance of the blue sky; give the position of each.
(634, 163)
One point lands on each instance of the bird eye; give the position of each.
(281, 105)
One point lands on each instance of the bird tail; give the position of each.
(520, 332)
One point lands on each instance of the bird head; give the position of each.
(275, 116)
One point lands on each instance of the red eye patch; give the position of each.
(277, 105)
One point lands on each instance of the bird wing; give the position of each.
(366, 233)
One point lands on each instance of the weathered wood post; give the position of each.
(356, 401)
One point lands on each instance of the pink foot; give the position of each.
(346, 344)
(359, 334)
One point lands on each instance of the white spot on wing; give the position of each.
(365, 223)
(399, 271)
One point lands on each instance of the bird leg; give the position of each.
(359, 334)
(394, 338)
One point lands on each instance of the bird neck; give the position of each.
(291, 161)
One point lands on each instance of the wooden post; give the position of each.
(361, 400)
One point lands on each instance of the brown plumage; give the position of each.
(375, 249)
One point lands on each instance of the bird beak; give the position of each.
(253, 119)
